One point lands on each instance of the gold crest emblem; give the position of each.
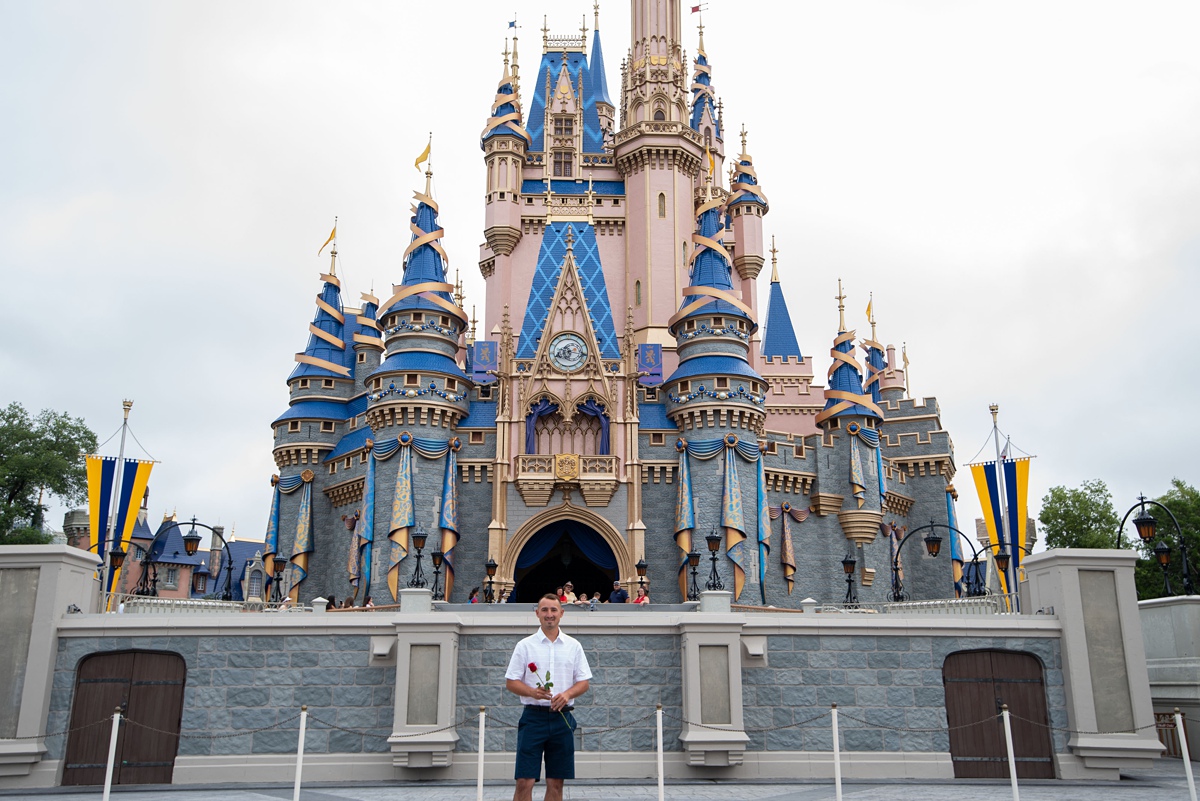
(566, 466)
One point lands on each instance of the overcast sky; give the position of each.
(1017, 182)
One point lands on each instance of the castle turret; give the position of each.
(605, 109)
(504, 142)
(704, 118)
(419, 379)
(875, 363)
(747, 206)
(783, 366)
(368, 340)
(779, 342)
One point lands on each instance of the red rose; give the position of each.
(532, 667)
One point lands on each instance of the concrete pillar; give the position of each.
(426, 689)
(38, 585)
(1104, 660)
(712, 689)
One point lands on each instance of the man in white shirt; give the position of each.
(541, 665)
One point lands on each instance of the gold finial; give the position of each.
(516, 77)
(458, 289)
(545, 34)
(333, 250)
(743, 140)
(700, 28)
(429, 165)
(871, 315)
(596, 9)
(474, 322)
(774, 262)
(505, 54)
(841, 297)
(584, 29)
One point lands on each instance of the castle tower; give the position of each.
(605, 109)
(747, 206)
(659, 156)
(504, 142)
(791, 406)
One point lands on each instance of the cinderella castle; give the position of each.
(628, 401)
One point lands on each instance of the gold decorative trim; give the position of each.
(826, 503)
(304, 358)
(346, 492)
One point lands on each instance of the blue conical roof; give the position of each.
(552, 61)
(845, 377)
(876, 364)
(712, 268)
(326, 352)
(599, 81)
(424, 264)
(780, 338)
(702, 95)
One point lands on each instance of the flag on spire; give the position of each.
(332, 234)
(424, 154)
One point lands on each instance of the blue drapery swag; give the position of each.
(857, 482)
(302, 546)
(788, 553)
(403, 511)
(282, 486)
(590, 544)
(545, 406)
(731, 506)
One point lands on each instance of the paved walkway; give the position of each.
(1165, 783)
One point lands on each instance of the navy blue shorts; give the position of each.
(543, 732)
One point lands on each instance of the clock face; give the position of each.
(568, 352)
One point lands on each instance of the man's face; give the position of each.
(549, 613)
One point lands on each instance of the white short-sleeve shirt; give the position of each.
(563, 657)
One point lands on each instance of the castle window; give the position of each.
(798, 451)
(718, 322)
(528, 201)
(451, 384)
(637, 293)
(199, 583)
(332, 468)
(690, 325)
(651, 394)
(353, 423)
(485, 393)
(348, 463)
(616, 201)
(772, 447)
(722, 383)
(662, 205)
(708, 137)
(563, 164)
(656, 439)
(254, 585)
(411, 380)
(564, 126)
(172, 577)
(327, 383)
(685, 386)
(362, 457)
(326, 427)
(418, 317)
(362, 357)
(293, 426)
(278, 431)
(659, 115)
(476, 437)
(303, 383)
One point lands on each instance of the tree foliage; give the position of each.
(40, 456)
(1079, 518)
(1184, 502)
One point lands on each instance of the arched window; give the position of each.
(659, 115)
(662, 205)
(637, 293)
(708, 136)
(254, 590)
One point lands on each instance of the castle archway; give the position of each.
(566, 543)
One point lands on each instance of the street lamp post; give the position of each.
(693, 559)
(112, 560)
(1147, 528)
(933, 545)
(848, 565)
(490, 567)
(418, 576)
(437, 557)
(640, 567)
(714, 545)
(148, 581)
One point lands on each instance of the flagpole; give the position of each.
(1003, 499)
(114, 507)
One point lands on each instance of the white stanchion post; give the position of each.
(1187, 757)
(479, 773)
(1012, 759)
(300, 752)
(112, 753)
(660, 754)
(837, 759)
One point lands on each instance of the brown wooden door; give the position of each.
(148, 686)
(977, 683)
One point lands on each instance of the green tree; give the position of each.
(1079, 518)
(40, 456)
(1184, 502)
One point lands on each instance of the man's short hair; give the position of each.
(549, 597)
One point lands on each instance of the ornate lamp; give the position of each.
(640, 567)
(693, 558)
(714, 545)
(490, 566)
(848, 565)
(191, 542)
(117, 557)
(933, 545)
(418, 540)
(1002, 559)
(1162, 552)
(437, 557)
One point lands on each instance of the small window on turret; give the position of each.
(451, 385)
(564, 126)
(327, 383)
(637, 293)
(418, 317)
(326, 427)
(651, 394)
(485, 393)
(798, 451)
(685, 386)
(718, 322)
(690, 325)
(353, 423)
(722, 383)
(332, 468)
(362, 357)
(662, 206)
(303, 383)
(348, 463)
(476, 437)
(563, 164)
(528, 201)
(362, 457)
(412, 380)
(445, 320)
(656, 439)
(294, 427)
(659, 115)
(772, 447)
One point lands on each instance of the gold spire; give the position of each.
(841, 297)
(596, 9)
(333, 250)
(774, 262)
(516, 76)
(474, 322)
(871, 315)
(700, 28)
(744, 141)
(584, 29)
(505, 54)
(545, 34)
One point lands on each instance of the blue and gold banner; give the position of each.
(956, 554)
(448, 514)
(732, 521)
(650, 361)
(281, 486)
(302, 546)
(764, 529)
(788, 553)
(1016, 499)
(403, 510)
(101, 472)
(685, 514)
(483, 358)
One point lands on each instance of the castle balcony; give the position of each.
(594, 476)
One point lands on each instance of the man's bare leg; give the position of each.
(524, 791)
(554, 789)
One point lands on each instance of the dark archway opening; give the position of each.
(564, 551)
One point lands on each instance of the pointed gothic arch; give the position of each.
(569, 512)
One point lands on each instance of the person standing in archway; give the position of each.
(540, 663)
